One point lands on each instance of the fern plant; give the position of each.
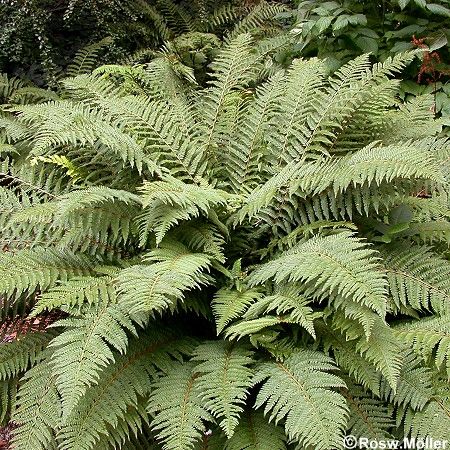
(136, 27)
(258, 264)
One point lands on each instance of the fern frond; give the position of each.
(431, 421)
(164, 131)
(224, 380)
(8, 394)
(289, 305)
(349, 360)
(119, 389)
(76, 292)
(331, 265)
(39, 410)
(259, 17)
(254, 432)
(28, 270)
(171, 201)
(24, 352)
(418, 278)
(230, 71)
(9, 85)
(175, 15)
(414, 386)
(382, 348)
(129, 429)
(300, 390)
(91, 88)
(429, 337)
(229, 304)
(346, 92)
(66, 123)
(305, 79)
(370, 164)
(368, 416)
(84, 348)
(158, 285)
(180, 414)
(200, 236)
(221, 16)
(32, 94)
(243, 156)
(99, 212)
(86, 58)
(157, 18)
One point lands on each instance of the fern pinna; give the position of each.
(258, 264)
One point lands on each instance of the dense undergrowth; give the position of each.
(221, 244)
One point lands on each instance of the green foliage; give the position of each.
(28, 270)
(368, 416)
(24, 352)
(39, 409)
(224, 380)
(158, 285)
(427, 335)
(76, 35)
(255, 433)
(300, 389)
(340, 30)
(330, 266)
(179, 422)
(255, 260)
(82, 350)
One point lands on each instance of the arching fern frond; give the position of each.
(429, 337)
(254, 432)
(368, 416)
(84, 349)
(431, 421)
(24, 352)
(224, 381)
(262, 14)
(370, 164)
(153, 287)
(171, 201)
(66, 123)
(329, 269)
(86, 59)
(179, 412)
(27, 270)
(76, 292)
(418, 278)
(120, 389)
(300, 390)
(287, 305)
(414, 386)
(243, 156)
(230, 71)
(39, 410)
(229, 304)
